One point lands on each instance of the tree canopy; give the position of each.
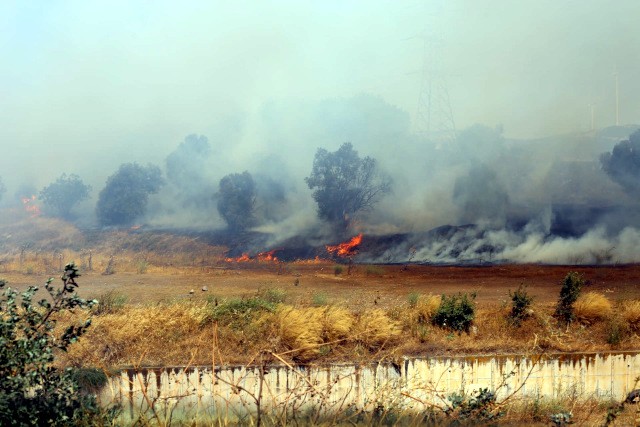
(63, 194)
(344, 184)
(623, 163)
(236, 200)
(186, 163)
(126, 193)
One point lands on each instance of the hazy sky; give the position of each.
(127, 80)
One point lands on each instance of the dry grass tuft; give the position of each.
(337, 323)
(300, 329)
(427, 306)
(630, 313)
(592, 307)
(374, 328)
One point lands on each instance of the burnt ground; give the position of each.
(366, 286)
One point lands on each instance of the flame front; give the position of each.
(346, 249)
(30, 206)
(267, 256)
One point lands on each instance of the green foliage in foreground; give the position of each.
(32, 391)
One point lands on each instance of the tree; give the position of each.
(623, 163)
(32, 390)
(186, 163)
(61, 195)
(343, 184)
(237, 199)
(126, 193)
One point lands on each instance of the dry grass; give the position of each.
(630, 313)
(299, 330)
(374, 328)
(592, 307)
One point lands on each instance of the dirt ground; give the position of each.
(385, 286)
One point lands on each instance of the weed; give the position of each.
(110, 302)
(520, 303)
(319, 298)
(631, 314)
(374, 270)
(338, 269)
(273, 295)
(413, 298)
(142, 266)
(456, 312)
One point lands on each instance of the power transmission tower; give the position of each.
(435, 116)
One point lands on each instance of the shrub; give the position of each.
(520, 303)
(456, 312)
(571, 287)
(338, 269)
(32, 390)
(238, 313)
(617, 330)
(592, 307)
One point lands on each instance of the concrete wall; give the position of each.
(413, 384)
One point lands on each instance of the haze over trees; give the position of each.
(125, 196)
(63, 194)
(236, 200)
(3, 188)
(481, 196)
(344, 184)
(186, 166)
(623, 163)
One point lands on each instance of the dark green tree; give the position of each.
(63, 194)
(126, 193)
(344, 184)
(623, 163)
(236, 200)
(32, 390)
(569, 293)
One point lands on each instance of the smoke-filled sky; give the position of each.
(110, 80)
(87, 86)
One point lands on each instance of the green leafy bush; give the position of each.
(520, 303)
(456, 312)
(569, 293)
(32, 390)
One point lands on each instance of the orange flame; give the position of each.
(243, 258)
(346, 249)
(30, 206)
(267, 256)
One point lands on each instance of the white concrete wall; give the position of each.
(413, 384)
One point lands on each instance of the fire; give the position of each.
(244, 258)
(267, 256)
(261, 257)
(346, 249)
(30, 206)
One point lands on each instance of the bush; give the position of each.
(32, 390)
(337, 270)
(456, 312)
(520, 303)
(571, 287)
(592, 307)
(319, 298)
(273, 295)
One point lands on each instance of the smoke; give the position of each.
(204, 91)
